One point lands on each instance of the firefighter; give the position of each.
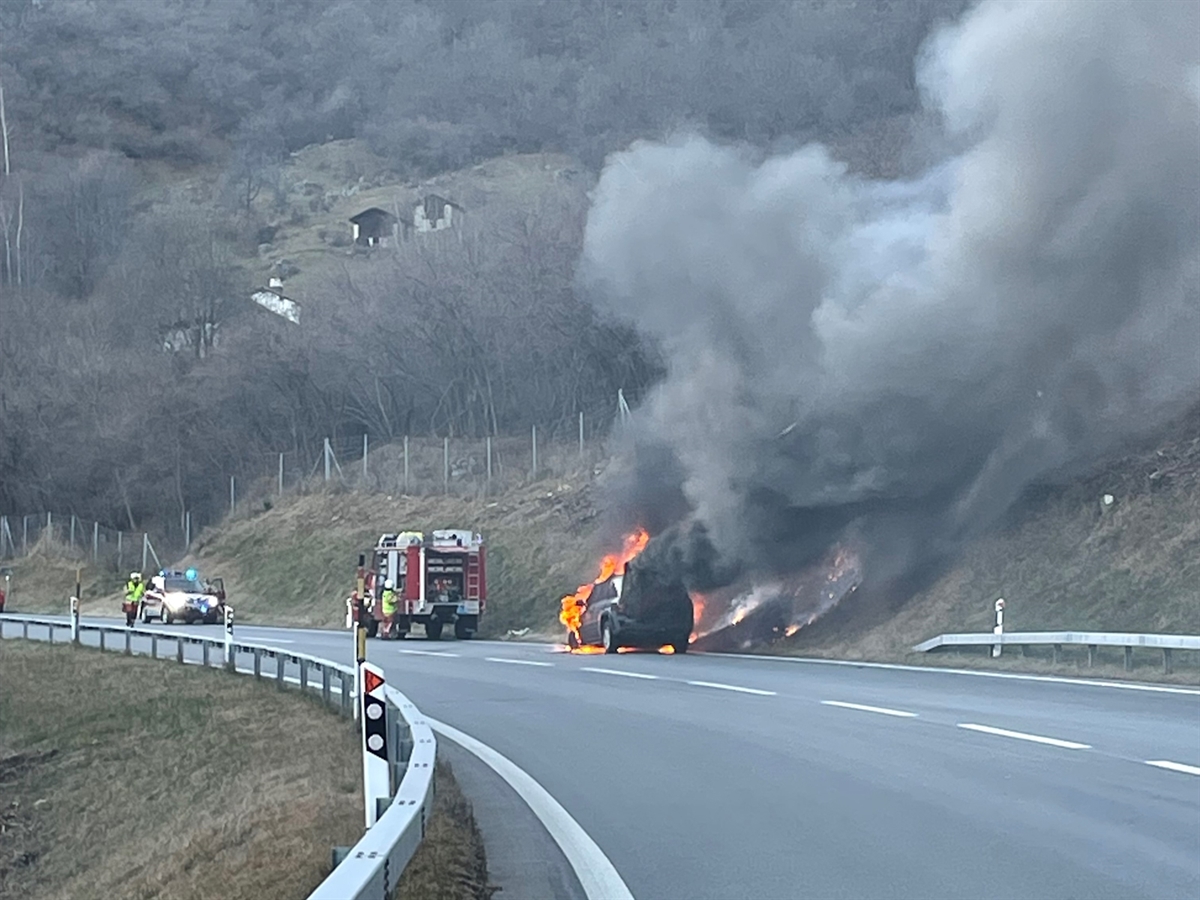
(388, 600)
(134, 589)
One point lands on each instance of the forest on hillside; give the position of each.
(102, 100)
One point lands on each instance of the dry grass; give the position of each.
(44, 580)
(450, 864)
(134, 778)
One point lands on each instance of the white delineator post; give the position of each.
(376, 770)
(229, 637)
(75, 620)
(999, 629)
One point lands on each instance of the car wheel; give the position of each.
(572, 640)
(165, 616)
(433, 630)
(608, 638)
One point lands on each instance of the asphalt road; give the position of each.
(718, 777)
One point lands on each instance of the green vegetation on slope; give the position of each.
(133, 778)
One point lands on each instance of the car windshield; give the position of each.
(179, 583)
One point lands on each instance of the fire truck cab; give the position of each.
(439, 580)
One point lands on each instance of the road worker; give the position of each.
(388, 600)
(134, 589)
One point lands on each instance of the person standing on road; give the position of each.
(388, 599)
(134, 589)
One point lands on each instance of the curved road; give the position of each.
(720, 777)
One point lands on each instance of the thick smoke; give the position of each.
(900, 359)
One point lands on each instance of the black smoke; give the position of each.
(900, 359)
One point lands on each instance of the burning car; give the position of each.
(182, 596)
(628, 606)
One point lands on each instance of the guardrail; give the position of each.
(368, 870)
(1057, 639)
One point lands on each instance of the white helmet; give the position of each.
(387, 585)
(135, 576)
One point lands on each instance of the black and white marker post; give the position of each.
(376, 770)
(360, 630)
(999, 629)
(229, 637)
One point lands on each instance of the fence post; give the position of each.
(187, 530)
(533, 471)
(328, 453)
(365, 447)
(145, 550)
(119, 553)
(25, 536)
(232, 494)
(406, 464)
(50, 525)
(95, 542)
(489, 462)
(446, 465)
(280, 474)
(72, 532)
(581, 435)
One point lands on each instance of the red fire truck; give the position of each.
(438, 581)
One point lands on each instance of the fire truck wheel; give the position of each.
(462, 632)
(608, 638)
(433, 630)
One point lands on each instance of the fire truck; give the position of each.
(439, 581)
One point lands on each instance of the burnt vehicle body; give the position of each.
(638, 610)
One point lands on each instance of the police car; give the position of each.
(174, 596)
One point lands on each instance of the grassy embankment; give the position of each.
(134, 778)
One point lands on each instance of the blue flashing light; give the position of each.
(190, 574)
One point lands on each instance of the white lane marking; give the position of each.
(620, 672)
(516, 662)
(882, 710)
(596, 873)
(1022, 736)
(1174, 766)
(426, 652)
(898, 667)
(731, 687)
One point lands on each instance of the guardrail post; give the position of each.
(1091, 655)
(1057, 653)
(103, 632)
(179, 650)
(303, 675)
(154, 646)
(25, 630)
(128, 642)
(345, 689)
(1128, 659)
(325, 685)
(50, 633)
(1167, 668)
(279, 665)
(205, 645)
(258, 662)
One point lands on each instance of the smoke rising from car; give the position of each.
(900, 359)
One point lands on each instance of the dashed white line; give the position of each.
(1174, 766)
(427, 652)
(882, 710)
(620, 672)
(1022, 736)
(516, 662)
(731, 687)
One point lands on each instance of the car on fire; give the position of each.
(637, 610)
(174, 596)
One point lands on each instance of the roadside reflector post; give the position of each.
(75, 617)
(229, 637)
(360, 628)
(999, 629)
(376, 765)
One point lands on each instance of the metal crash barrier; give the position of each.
(1057, 639)
(370, 869)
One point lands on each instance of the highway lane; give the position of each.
(718, 778)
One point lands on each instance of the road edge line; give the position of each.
(596, 873)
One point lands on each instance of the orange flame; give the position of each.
(612, 564)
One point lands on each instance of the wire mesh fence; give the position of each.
(414, 466)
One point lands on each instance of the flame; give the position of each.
(698, 601)
(791, 629)
(612, 564)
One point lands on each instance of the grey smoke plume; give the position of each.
(903, 358)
